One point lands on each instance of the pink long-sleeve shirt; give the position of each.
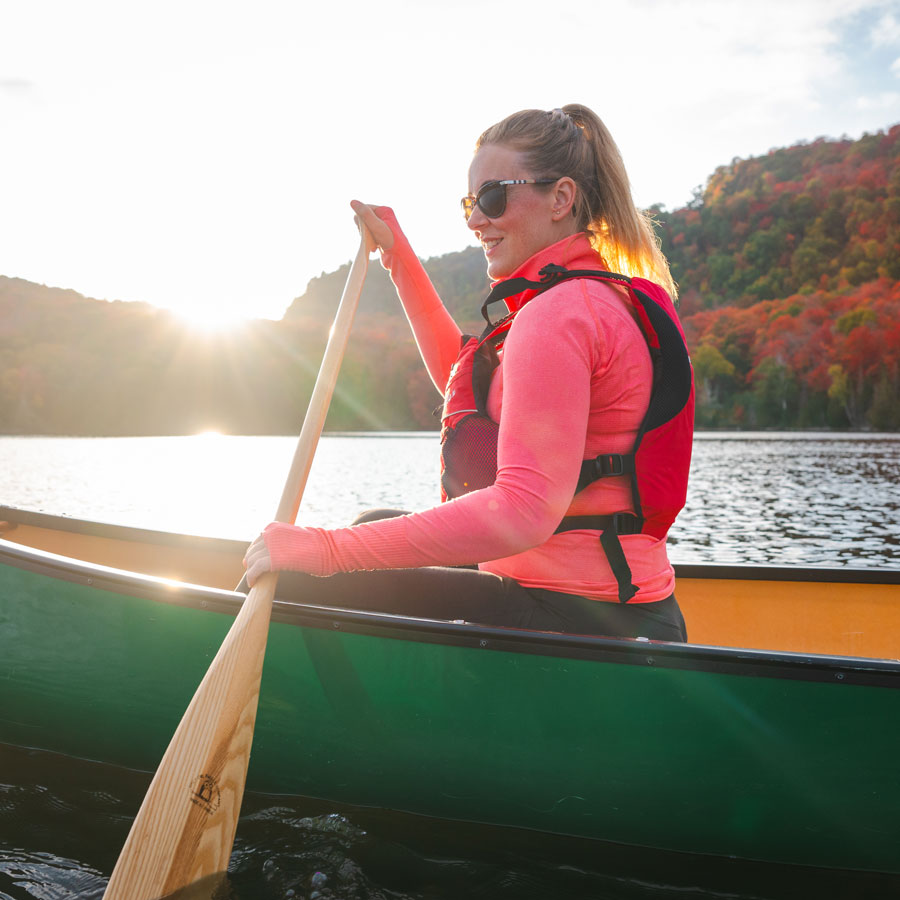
(573, 381)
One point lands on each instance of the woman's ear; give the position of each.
(563, 198)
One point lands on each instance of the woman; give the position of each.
(568, 378)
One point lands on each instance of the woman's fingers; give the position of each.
(257, 560)
(380, 235)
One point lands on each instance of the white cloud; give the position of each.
(889, 101)
(895, 67)
(886, 32)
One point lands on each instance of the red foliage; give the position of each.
(857, 330)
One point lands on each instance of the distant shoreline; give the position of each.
(758, 433)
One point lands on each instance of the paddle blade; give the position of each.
(185, 828)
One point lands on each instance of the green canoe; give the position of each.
(753, 752)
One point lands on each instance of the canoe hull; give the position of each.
(759, 755)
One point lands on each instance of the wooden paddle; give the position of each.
(184, 830)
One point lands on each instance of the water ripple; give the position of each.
(792, 500)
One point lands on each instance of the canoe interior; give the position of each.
(195, 560)
(843, 612)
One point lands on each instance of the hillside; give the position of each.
(460, 280)
(788, 266)
(820, 216)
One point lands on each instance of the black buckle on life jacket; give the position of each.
(625, 523)
(609, 464)
(551, 273)
(606, 465)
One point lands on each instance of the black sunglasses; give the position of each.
(491, 199)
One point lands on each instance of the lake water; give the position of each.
(793, 499)
(768, 498)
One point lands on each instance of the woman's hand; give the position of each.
(283, 547)
(257, 560)
(380, 236)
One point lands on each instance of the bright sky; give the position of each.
(201, 155)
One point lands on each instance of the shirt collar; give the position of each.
(573, 252)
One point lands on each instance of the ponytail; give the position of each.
(574, 142)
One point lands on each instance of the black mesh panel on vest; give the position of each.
(470, 448)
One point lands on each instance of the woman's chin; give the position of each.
(497, 269)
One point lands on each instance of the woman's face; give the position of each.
(535, 217)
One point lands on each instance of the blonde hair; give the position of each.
(574, 142)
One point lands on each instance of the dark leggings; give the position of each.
(475, 596)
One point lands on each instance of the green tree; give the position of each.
(775, 393)
(713, 373)
(884, 413)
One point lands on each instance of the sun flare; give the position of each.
(210, 321)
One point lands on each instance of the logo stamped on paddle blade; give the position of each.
(206, 794)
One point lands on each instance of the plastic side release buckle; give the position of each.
(610, 464)
(626, 523)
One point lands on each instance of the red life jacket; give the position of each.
(660, 459)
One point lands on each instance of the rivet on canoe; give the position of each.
(649, 660)
(839, 676)
(90, 581)
(336, 626)
(483, 643)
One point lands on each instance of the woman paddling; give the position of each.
(567, 425)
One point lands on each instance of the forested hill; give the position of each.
(73, 365)
(789, 266)
(459, 278)
(789, 272)
(816, 216)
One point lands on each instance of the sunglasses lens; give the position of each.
(492, 202)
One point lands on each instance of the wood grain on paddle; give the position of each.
(185, 828)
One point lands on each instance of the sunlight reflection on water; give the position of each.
(210, 484)
(794, 499)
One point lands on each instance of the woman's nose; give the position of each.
(477, 219)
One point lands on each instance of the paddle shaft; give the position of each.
(324, 388)
(184, 830)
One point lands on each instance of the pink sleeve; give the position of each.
(548, 361)
(437, 335)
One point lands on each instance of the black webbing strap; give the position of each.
(612, 547)
(550, 275)
(610, 527)
(509, 288)
(606, 465)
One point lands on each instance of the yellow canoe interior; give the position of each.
(194, 560)
(768, 609)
